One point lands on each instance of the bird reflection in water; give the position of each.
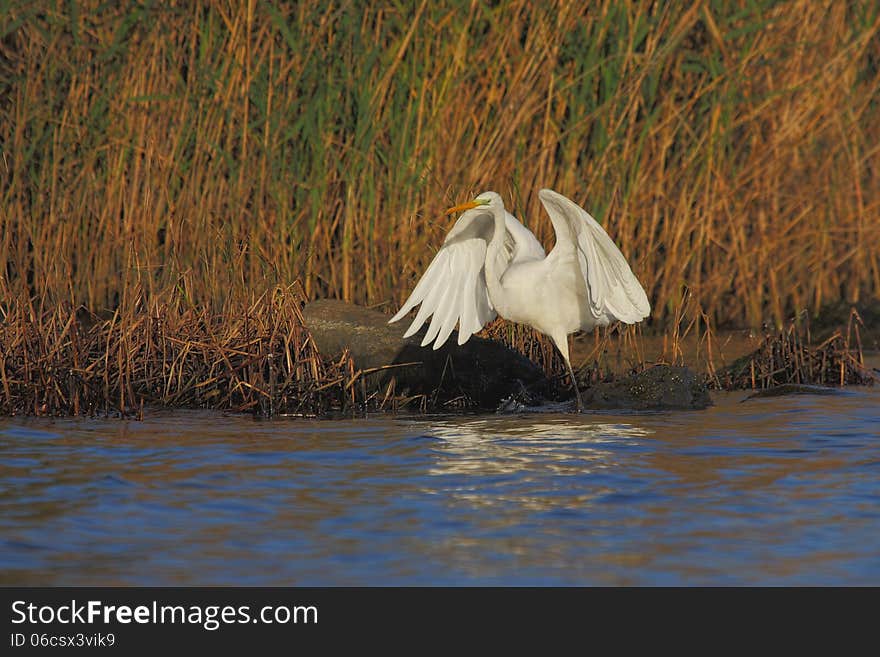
(489, 446)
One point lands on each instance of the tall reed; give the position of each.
(732, 148)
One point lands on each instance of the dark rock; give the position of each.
(478, 373)
(793, 389)
(481, 372)
(661, 387)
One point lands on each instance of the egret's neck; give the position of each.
(493, 251)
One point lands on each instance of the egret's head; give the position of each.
(486, 198)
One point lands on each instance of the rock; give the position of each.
(481, 372)
(478, 373)
(794, 389)
(661, 387)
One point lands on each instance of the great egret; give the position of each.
(491, 264)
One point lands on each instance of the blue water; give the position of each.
(770, 491)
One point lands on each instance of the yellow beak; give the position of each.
(466, 206)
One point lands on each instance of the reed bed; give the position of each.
(728, 147)
(257, 357)
(785, 358)
(789, 356)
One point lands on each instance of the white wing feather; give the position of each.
(613, 290)
(453, 288)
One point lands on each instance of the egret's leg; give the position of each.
(560, 339)
(577, 392)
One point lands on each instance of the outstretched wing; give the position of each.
(453, 288)
(613, 291)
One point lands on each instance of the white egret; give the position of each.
(490, 264)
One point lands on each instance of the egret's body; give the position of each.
(490, 264)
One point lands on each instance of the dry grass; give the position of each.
(790, 357)
(255, 357)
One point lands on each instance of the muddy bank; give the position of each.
(278, 355)
(836, 347)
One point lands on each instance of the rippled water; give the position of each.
(770, 491)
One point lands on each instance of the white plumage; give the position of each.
(490, 264)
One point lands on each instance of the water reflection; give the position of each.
(566, 446)
(519, 465)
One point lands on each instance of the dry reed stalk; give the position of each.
(732, 150)
(256, 357)
(787, 357)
